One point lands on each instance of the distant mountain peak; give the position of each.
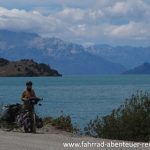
(141, 69)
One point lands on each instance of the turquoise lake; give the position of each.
(82, 97)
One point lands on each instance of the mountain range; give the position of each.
(66, 57)
(71, 58)
(128, 56)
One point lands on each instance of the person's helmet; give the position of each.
(29, 83)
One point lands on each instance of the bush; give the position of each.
(131, 121)
(62, 122)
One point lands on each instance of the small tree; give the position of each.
(131, 121)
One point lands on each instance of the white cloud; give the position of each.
(102, 21)
(118, 9)
(132, 29)
(31, 21)
(78, 16)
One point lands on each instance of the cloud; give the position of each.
(31, 21)
(133, 30)
(118, 9)
(129, 10)
(99, 21)
(24, 4)
(80, 16)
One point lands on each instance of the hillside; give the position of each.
(25, 68)
(142, 69)
(68, 58)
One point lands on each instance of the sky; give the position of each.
(114, 22)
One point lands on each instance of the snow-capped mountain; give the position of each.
(68, 58)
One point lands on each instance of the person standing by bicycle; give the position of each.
(27, 95)
(29, 99)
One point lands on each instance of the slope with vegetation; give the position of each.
(131, 121)
(24, 68)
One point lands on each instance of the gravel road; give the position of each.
(50, 141)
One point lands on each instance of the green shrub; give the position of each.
(131, 121)
(62, 122)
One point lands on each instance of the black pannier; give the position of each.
(39, 122)
(10, 112)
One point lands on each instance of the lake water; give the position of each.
(82, 97)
